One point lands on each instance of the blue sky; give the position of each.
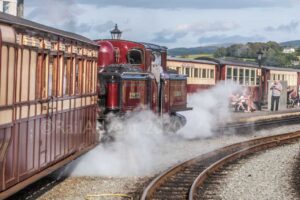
(173, 23)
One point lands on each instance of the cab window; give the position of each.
(135, 57)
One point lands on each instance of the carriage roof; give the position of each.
(20, 22)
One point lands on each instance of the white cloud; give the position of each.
(170, 27)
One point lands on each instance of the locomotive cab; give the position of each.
(137, 78)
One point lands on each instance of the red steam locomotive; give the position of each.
(134, 75)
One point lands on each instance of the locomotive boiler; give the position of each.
(134, 75)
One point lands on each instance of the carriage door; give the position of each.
(54, 120)
(42, 94)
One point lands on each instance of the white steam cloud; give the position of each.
(210, 108)
(140, 140)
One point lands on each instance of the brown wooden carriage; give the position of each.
(47, 100)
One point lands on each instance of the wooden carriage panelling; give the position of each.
(47, 99)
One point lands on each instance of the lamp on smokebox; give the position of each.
(260, 95)
(116, 33)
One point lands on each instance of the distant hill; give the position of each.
(192, 50)
(293, 43)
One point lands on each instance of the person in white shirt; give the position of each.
(276, 92)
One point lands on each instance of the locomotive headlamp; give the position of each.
(116, 33)
(259, 55)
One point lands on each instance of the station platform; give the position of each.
(264, 115)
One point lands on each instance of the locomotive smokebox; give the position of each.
(112, 98)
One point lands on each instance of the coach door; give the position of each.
(57, 119)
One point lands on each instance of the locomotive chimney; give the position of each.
(20, 8)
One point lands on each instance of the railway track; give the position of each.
(183, 181)
(39, 188)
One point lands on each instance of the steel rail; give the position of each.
(218, 154)
(199, 181)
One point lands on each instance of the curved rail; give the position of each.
(190, 169)
(217, 165)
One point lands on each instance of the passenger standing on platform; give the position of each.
(276, 92)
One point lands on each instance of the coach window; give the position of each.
(247, 77)
(54, 73)
(79, 76)
(60, 75)
(55, 76)
(274, 77)
(187, 72)
(73, 76)
(50, 76)
(235, 74)
(212, 73)
(7, 75)
(88, 77)
(24, 74)
(196, 72)
(32, 72)
(252, 77)
(67, 74)
(241, 76)
(41, 77)
(77, 91)
(83, 80)
(229, 71)
(178, 70)
(203, 73)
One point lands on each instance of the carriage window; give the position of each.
(229, 71)
(212, 73)
(77, 86)
(178, 70)
(241, 76)
(79, 76)
(246, 76)
(278, 77)
(32, 75)
(252, 77)
(41, 77)
(94, 75)
(60, 75)
(196, 72)
(50, 77)
(203, 73)
(235, 74)
(83, 77)
(3, 76)
(24, 74)
(135, 57)
(187, 72)
(87, 77)
(54, 77)
(67, 86)
(73, 76)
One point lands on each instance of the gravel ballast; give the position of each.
(266, 175)
(173, 151)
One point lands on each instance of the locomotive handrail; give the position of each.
(135, 73)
